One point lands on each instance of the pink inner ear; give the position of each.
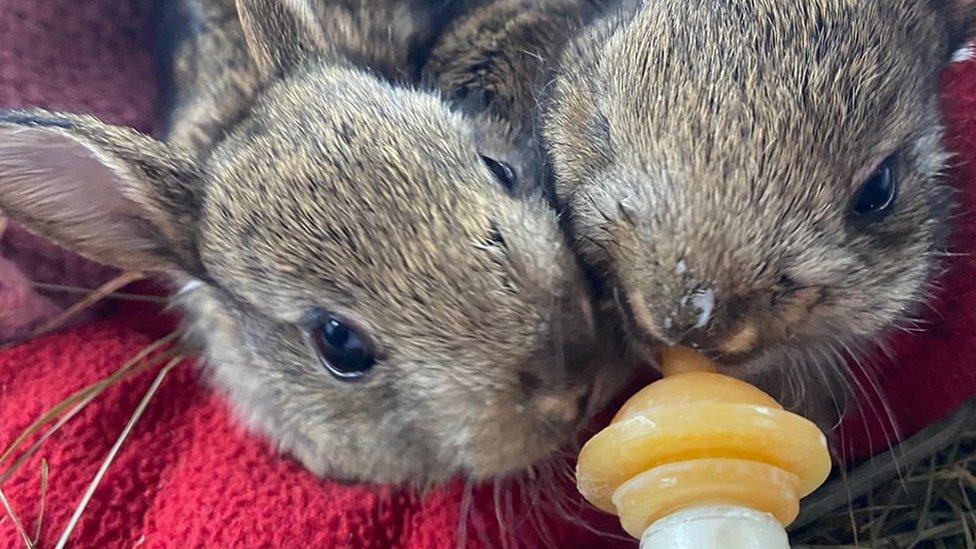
(53, 170)
(61, 187)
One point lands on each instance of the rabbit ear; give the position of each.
(280, 33)
(960, 15)
(108, 193)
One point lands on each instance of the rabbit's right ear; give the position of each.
(108, 193)
(280, 33)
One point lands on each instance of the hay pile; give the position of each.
(918, 495)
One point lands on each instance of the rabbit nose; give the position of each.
(685, 321)
(725, 333)
(688, 321)
(724, 329)
(566, 406)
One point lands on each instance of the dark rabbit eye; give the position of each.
(503, 172)
(876, 197)
(345, 353)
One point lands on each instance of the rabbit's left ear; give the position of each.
(108, 193)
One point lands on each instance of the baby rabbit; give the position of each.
(757, 179)
(368, 293)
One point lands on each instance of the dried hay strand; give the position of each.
(18, 525)
(67, 409)
(121, 296)
(918, 495)
(110, 457)
(95, 296)
(29, 542)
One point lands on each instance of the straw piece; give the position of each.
(27, 454)
(96, 295)
(16, 520)
(62, 288)
(115, 449)
(885, 467)
(40, 513)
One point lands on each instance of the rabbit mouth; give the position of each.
(742, 351)
(544, 428)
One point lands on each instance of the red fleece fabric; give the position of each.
(190, 476)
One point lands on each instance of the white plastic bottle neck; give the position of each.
(716, 527)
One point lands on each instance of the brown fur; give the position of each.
(707, 148)
(215, 79)
(494, 59)
(337, 189)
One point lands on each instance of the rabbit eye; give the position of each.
(876, 197)
(344, 351)
(502, 171)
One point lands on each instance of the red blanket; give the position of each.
(188, 475)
